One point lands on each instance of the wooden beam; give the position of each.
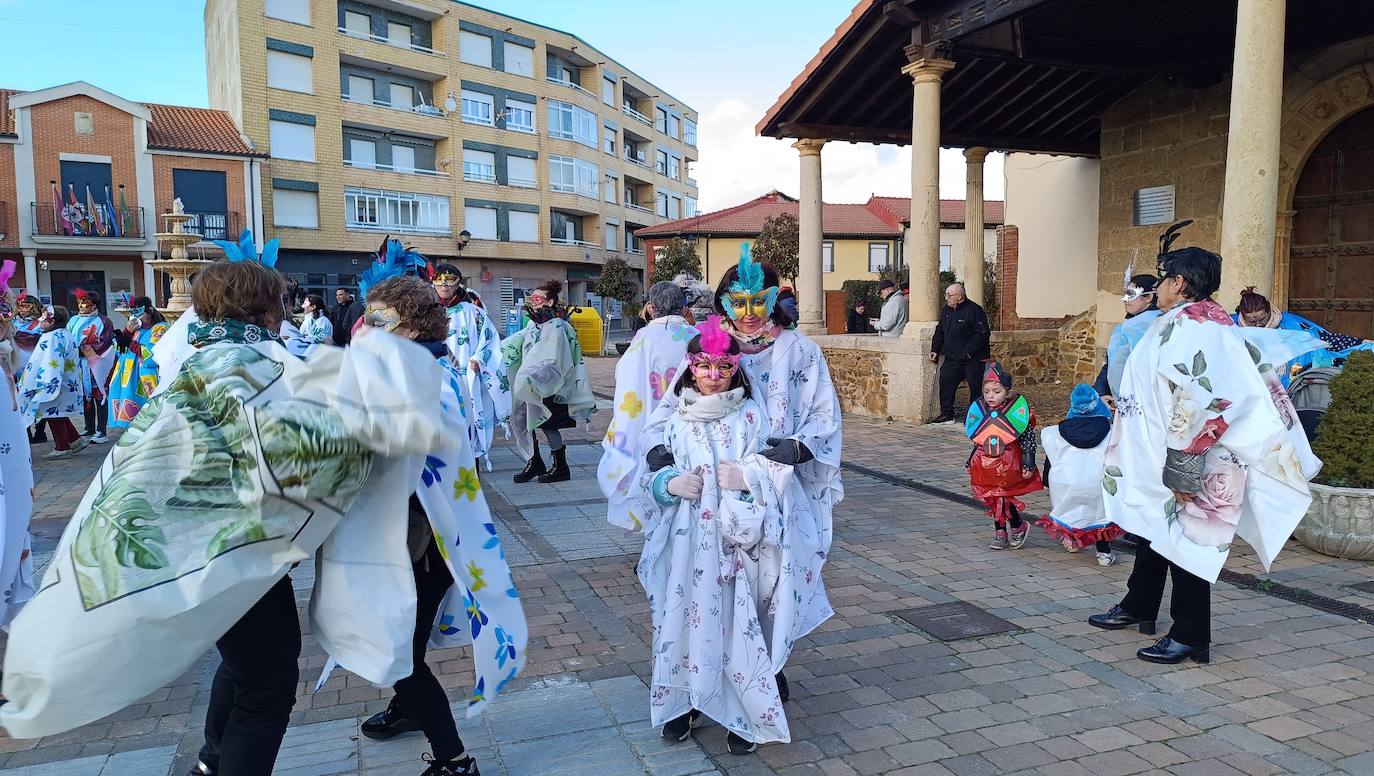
(817, 87)
(1103, 84)
(1033, 145)
(999, 55)
(851, 134)
(989, 96)
(954, 19)
(1038, 101)
(1016, 98)
(860, 83)
(900, 13)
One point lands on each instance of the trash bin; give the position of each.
(586, 321)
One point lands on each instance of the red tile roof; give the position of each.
(6, 116)
(879, 217)
(174, 128)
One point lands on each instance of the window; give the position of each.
(474, 49)
(574, 176)
(662, 208)
(674, 208)
(403, 158)
(827, 256)
(362, 153)
(520, 172)
(524, 227)
(295, 208)
(359, 24)
(395, 211)
(399, 34)
(611, 184)
(672, 126)
(661, 120)
(569, 122)
(360, 89)
(519, 59)
(479, 166)
(662, 164)
(946, 257)
(608, 141)
(519, 116)
(480, 221)
(689, 132)
(689, 207)
(674, 168)
(608, 91)
(402, 96)
(877, 256)
(611, 231)
(289, 71)
(297, 11)
(477, 108)
(564, 228)
(291, 141)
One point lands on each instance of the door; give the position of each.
(1331, 276)
(78, 178)
(360, 89)
(203, 193)
(402, 96)
(66, 282)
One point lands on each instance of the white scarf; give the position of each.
(691, 405)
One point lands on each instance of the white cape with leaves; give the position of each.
(544, 361)
(1197, 384)
(472, 337)
(644, 379)
(16, 507)
(244, 466)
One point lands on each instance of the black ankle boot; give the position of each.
(533, 468)
(389, 723)
(560, 471)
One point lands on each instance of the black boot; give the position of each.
(389, 723)
(560, 471)
(534, 467)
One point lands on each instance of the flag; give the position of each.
(110, 217)
(124, 215)
(94, 215)
(73, 212)
(59, 213)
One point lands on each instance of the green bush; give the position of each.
(1343, 439)
(865, 290)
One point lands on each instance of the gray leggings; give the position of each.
(555, 438)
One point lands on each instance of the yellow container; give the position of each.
(586, 321)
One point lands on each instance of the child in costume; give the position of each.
(1001, 465)
(50, 387)
(94, 335)
(1075, 449)
(714, 552)
(135, 374)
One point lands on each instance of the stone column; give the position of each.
(31, 271)
(923, 243)
(810, 269)
(1283, 244)
(150, 277)
(1250, 204)
(973, 224)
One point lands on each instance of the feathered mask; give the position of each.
(6, 306)
(391, 260)
(746, 296)
(246, 249)
(715, 356)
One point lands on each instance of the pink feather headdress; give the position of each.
(715, 341)
(6, 272)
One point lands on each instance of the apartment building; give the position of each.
(519, 151)
(84, 175)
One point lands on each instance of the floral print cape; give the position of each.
(1196, 387)
(472, 336)
(51, 385)
(135, 376)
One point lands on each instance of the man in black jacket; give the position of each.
(343, 315)
(961, 337)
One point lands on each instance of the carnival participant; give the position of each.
(135, 374)
(476, 347)
(28, 328)
(1138, 298)
(1001, 464)
(94, 335)
(644, 378)
(1075, 449)
(16, 476)
(719, 586)
(11, 361)
(50, 388)
(315, 326)
(698, 298)
(549, 386)
(1206, 446)
(467, 570)
(1256, 311)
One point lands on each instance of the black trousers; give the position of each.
(420, 695)
(97, 415)
(1191, 604)
(255, 687)
(954, 371)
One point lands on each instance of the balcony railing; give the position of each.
(73, 221)
(396, 228)
(635, 251)
(692, 182)
(636, 206)
(389, 42)
(637, 116)
(570, 241)
(212, 225)
(423, 110)
(632, 159)
(393, 168)
(571, 85)
(522, 183)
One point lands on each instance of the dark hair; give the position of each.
(1199, 269)
(153, 313)
(60, 316)
(1252, 302)
(1145, 283)
(239, 290)
(95, 299)
(689, 380)
(770, 279)
(416, 302)
(552, 289)
(318, 302)
(445, 268)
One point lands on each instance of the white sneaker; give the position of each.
(60, 453)
(1068, 545)
(100, 438)
(1106, 558)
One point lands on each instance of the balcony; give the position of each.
(570, 241)
(575, 87)
(635, 251)
(404, 45)
(212, 225)
(636, 115)
(640, 208)
(377, 102)
(72, 223)
(395, 169)
(636, 161)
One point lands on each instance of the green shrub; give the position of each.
(1343, 439)
(862, 290)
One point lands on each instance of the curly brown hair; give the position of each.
(241, 291)
(416, 302)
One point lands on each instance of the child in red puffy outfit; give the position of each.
(1002, 464)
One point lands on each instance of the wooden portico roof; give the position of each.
(1029, 75)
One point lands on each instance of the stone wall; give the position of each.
(860, 380)
(1078, 357)
(1031, 356)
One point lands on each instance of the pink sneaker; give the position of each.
(999, 541)
(1018, 536)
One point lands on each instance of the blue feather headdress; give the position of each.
(750, 280)
(246, 249)
(392, 260)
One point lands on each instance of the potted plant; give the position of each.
(1340, 521)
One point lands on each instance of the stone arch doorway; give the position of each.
(1331, 259)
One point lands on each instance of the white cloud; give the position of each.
(736, 165)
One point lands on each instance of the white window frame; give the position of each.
(674, 208)
(295, 11)
(354, 143)
(611, 184)
(524, 55)
(395, 211)
(673, 123)
(518, 178)
(398, 151)
(689, 207)
(288, 140)
(407, 41)
(885, 252)
(284, 72)
(476, 220)
(350, 19)
(661, 162)
(479, 166)
(946, 257)
(828, 256)
(674, 167)
(353, 95)
(570, 175)
(521, 216)
(523, 110)
(285, 216)
(608, 91)
(478, 108)
(570, 122)
(392, 90)
(689, 132)
(611, 236)
(471, 47)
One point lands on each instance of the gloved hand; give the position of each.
(730, 477)
(786, 451)
(686, 486)
(659, 457)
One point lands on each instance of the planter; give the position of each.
(1340, 522)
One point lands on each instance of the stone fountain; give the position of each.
(179, 266)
